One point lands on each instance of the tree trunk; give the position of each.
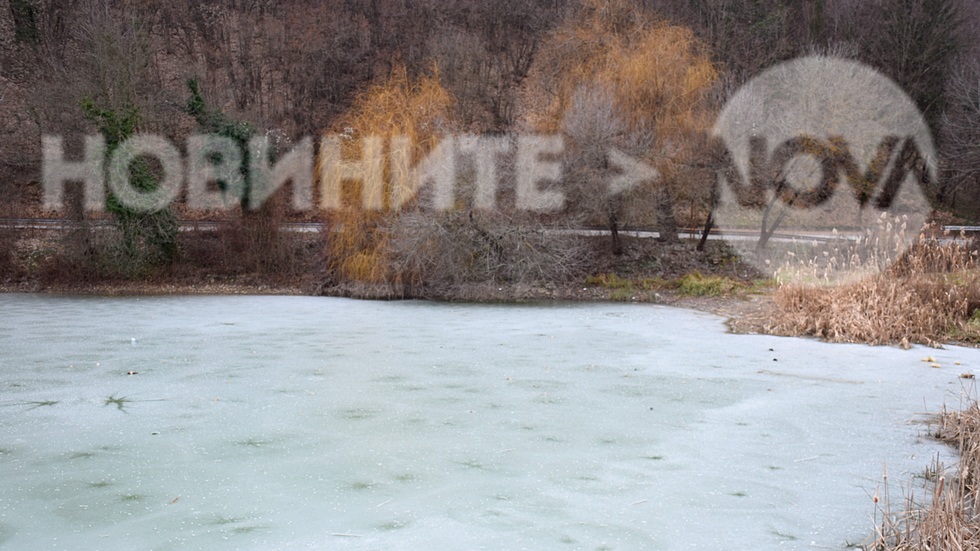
(617, 244)
(708, 225)
(666, 224)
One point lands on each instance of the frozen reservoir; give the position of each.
(298, 423)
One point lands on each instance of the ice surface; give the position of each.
(275, 423)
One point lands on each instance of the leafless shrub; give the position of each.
(450, 249)
(594, 124)
(8, 264)
(252, 245)
(960, 135)
(80, 256)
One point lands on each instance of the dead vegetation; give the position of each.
(86, 258)
(930, 295)
(360, 229)
(945, 516)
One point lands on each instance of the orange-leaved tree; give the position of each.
(618, 76)
(400, 111)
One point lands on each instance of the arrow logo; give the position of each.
(633, 171)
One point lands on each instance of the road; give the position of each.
(60, 224)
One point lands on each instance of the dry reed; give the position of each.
(946, 519)
(926, 297)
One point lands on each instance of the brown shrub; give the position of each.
(252, 246)
(460, 247)
(79, 256)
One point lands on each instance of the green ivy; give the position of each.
(148, 238)
(215, 121)
(24, 13)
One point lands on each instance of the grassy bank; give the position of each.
(242, 258)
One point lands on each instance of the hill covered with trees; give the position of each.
(647, 77)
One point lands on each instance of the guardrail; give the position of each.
(961, 228)
(311, 227)
(185, 225)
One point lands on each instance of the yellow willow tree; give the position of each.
(412, 111)
(616, 76)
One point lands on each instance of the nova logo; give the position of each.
(818, 149)
(881, 178)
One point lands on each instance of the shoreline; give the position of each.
(745, 313)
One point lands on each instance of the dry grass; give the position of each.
(946, 519)
(881, 244)
(698, 285)
(927, 297)
(691, 284)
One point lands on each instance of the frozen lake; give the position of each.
(275, 423)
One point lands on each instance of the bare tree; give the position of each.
(916, 42)
(596, 129)
(960, 140)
